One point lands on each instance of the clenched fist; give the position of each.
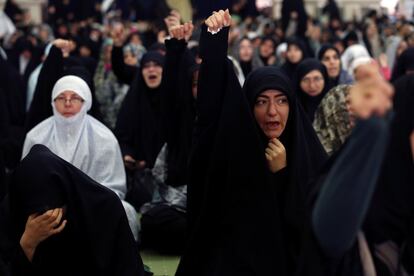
(275, 155)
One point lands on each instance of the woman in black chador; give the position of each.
(64, 223)
(253, 153)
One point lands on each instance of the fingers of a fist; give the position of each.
(219, 20)
(51, 217)
(60, 228)
(273, 152)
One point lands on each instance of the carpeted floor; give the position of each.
(160, 265)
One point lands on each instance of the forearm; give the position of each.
(212, 77)
(28, 246)
(347, 190)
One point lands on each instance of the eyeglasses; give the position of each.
(314, 79)
(74, 100)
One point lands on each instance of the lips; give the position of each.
(332, 70)
(68, 114)
(273, 125)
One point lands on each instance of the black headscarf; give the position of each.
(309, 103)
(288, 67)
(321, 53)
(298, 6)
(241, 226)
(138, 124)
(96, 240)
(331, 8)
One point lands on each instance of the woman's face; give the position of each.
(271, 111)
(267, 48)
(332, 63)
(294, 54)
(152, 73)
(245, 50)
(68, 103)
(312, 83)
(130, 59)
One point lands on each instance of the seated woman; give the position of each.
(362, 220)
(164, 219)
(330, 57)
(296, 52)
(65, 223)
(333, 121)
(81, 140)
(312, 84)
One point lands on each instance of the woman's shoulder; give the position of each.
(100, 130)
(40, 127)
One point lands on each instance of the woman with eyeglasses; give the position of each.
(82, 140)
(312, 83)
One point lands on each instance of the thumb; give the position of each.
(227, 18)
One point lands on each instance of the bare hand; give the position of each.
(40, 227)
(132, 164)
(218, 20)
(182, 31)
(373, 95)
(383, 60)
(172, 20)
(276, 155)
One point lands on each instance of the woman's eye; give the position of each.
(282, 101)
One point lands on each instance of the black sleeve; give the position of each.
(41, 108)
(347, 190)
(408, 249)
(124, 130)
(176, 98)
(211, 86)
(125, 73)
(20, 265)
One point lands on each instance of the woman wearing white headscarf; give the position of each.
(80, 139)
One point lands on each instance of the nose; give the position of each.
(68, 102)
(272, 109)
(312, 84)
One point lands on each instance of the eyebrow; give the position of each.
(277, 96)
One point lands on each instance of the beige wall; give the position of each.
(349, 7)
(35, 7)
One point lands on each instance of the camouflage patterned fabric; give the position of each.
(332, 122)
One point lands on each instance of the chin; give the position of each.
(272, 134)
(153, 85)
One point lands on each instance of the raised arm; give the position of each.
(125, 73)
(177, 98)
(347, 190)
